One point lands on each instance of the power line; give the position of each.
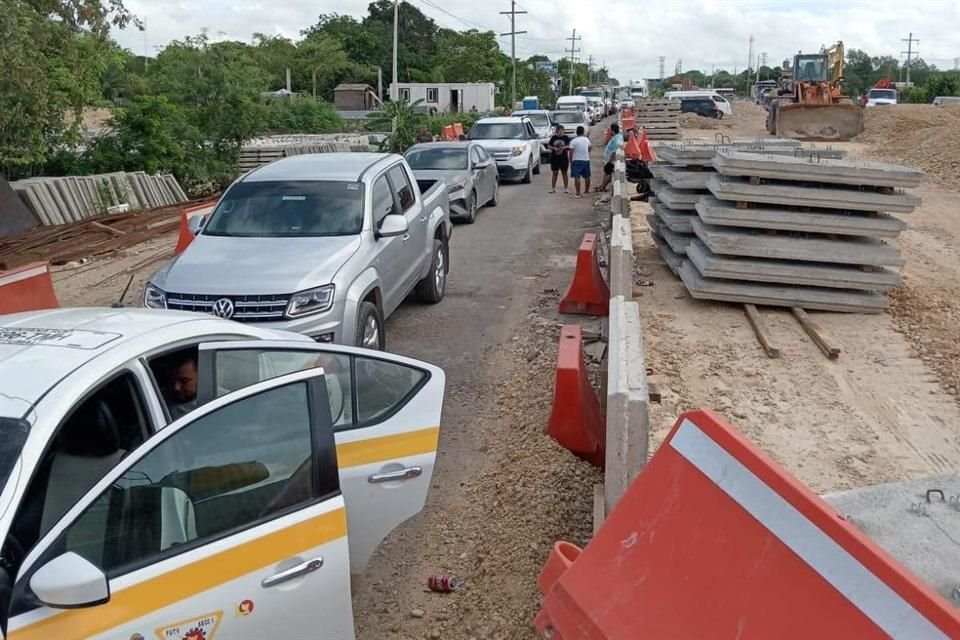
(469, 23)
(909, 52)
(513, 47)
(573, 51)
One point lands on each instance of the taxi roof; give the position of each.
(40, 348)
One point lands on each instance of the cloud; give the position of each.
(629, 36)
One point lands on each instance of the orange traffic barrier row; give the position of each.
(713, 539)
(185, 237)
(588, 293)
(452, 131)
(576, 420)
(27, 288)
(638, 147)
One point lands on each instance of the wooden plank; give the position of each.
(107, 228)
(816, 334)
(599, 507)
(760, 328)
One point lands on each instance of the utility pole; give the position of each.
(662, 60)
(590, 69)
(573, 51)
(513, 33)
(749, 61)
(394, 89)
(956, 64)
(909, 52)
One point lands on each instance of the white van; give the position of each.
(722, 103)
(568, 103)
(941, 101)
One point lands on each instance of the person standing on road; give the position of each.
(580, 162)
(559, 158)
(610, 155)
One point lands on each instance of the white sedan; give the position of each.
(121, 520)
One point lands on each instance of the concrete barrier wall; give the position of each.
(621, 257)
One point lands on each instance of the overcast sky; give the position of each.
(629, 35)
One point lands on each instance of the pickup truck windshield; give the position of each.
(883, 94)
(437, 159)
(291, 208)
(539, 119)
(497, 131)
(567, 117)
(13, 435)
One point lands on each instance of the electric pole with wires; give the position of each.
(513, 33)
(910, 53)
(573, 51)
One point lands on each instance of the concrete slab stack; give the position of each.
(661, 118)
(53, 201)
(797, 231)
(262, 151)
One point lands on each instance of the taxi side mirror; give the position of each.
(70, 581)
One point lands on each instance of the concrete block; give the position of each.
(58, 212)
(19, 209)
(799, 152)
(678, 221)
(685, 177)
(679, 199)
(136, 183)
(770, 295)
(678, 241)
(855, 250)
(917, 528)
(724, 214)
(806, 274)
(621, 258)
(628, 413)
(672, 260)
(36, 199)
(846, 198)
(730, 162)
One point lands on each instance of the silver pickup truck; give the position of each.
(327, 245)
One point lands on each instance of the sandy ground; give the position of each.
(885, 411)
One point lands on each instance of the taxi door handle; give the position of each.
(407, 473)
(293, 572)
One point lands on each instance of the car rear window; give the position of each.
(295, 208)
(438, 159)
(497, 131)
(568, 117)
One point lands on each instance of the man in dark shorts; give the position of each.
(559, 158)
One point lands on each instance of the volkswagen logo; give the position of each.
(223, 308)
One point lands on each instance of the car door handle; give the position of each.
(405, 238)
(293, 572)
(407, 473)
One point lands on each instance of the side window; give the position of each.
(405, 95)
(475, 156)
(401, 184)
(382, 199)
(482, 152)
(176, 377)
(96, 435)
(432, 95)
(229, 470)
(239, 368)
(382, 387)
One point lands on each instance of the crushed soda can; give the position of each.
(444, 583)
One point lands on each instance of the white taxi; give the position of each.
(233, 520)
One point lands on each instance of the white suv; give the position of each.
(514, 144)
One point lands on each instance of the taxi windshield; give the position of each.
(13, 435)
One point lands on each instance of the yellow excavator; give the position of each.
(810, 103)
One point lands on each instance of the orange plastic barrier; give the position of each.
(629, 122)
(638, 147)
(576, 420)
(458, 129)
(185, 237)
(448, 132)
(27, 288)
(715, 540)
(588, 293)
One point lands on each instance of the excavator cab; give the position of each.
(810, 68)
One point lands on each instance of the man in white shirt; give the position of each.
(580, 162)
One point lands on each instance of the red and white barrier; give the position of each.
(588, 293)
(715, 540)
(27, 288)
(185, 237)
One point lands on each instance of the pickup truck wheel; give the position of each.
(370, 334)
(432, 288)
(527, 176)
(471, 208)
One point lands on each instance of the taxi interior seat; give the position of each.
(90, 444)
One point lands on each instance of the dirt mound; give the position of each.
(693, 121)
(747, 109)
(923, 136)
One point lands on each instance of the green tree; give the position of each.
(401, 119)
(469, 56)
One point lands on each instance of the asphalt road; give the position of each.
(512, 253)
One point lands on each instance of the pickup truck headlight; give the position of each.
(519, 150)
(154, 297)
(310, 301)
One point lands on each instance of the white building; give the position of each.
(447, 97)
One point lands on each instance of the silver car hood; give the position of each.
(244, 266)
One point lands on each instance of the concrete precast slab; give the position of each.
(856, 250)
(671, 259)
(177, 189)
(678, 241)
(72, 211)
(678, 221)
(16, 221)
(838, 197)
(679, 199)
(799, 152)
(58, 213)
(685, 178)
(38, 194)
(731, 162)
(809, 274)
(723, 213)
(771, 295)
(136, 183)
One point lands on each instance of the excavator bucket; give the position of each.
(819, 121)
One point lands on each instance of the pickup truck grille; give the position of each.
(256, 308)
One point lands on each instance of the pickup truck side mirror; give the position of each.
(70, 581)
(195, 224)
(393, 225)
